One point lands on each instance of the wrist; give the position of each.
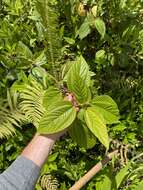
(39, 148)
(54, 136)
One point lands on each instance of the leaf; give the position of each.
(84, 29)
(96, 124)
(51, 96)
(78, 80)
(139, 186)
(100, 56)
(58, 117)
(9, 99)
(40, 60)
(82, 135)
(63, 186)
(38, 187)
(69, 40)
(94, 10)
(104, 184)
(52, 157)
(122, 4)
(107, 107)
(24, 50)
(38, 72)
(41, 75)
(22, 77)
(121, 175)
(65, 69)
(100, 26)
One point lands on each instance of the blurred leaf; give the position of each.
(100, 56)
(69, 40)
(94, 10)
(100, 26)
(122, 174)
(104, 183)
(139, 186)
(40, 60)
(84, 29)
(52, 157)
(24, 50)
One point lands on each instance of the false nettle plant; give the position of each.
(77, 109)
(69, 104)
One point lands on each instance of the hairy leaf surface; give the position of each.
(58, 117)
(96, 124)
(107, 107)
(78, 80)
(51, 95)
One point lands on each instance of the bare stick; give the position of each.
(93, 171)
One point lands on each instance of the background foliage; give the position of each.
(109, 35)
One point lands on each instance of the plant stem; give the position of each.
(93, 171)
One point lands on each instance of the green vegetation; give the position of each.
(90, 52)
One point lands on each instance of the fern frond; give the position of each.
(31, 101)
(10, 116)
(49, 15)
(48, 182)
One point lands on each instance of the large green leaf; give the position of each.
(51, 95)
(78, 80)
(58, 117)
(107, 107)
(96, 124)
(82, 135)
